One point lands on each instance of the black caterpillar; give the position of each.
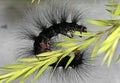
(45, 36)
(58, 25)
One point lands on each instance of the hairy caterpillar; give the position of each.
(41, 42)
(54, 30)
(79, 72)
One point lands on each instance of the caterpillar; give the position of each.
(41, 41)
(62, 28)
(45, 27)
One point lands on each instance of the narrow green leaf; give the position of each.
(83, 34)
(38, 1)
(49, 57)
(94, 52)
(49, 53)
(104, 48)
(53, 60)
(69, 39)
(109, 41)
(69, 50)
(117, 12)
(14, 66)
(112, 36)
(118, 59)
(2, 81)
(98, 22)
(56, 66)
(35, 67)
(7, 75)
(86, 43)
(69, 61)
(111, 11)
(32, 1)
(112, 51)
(17, 74)
(66, 44)
(28, 59)
(112, 5)
(105, 57)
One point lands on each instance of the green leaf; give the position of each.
(112, 5)
(14, 66)
(66, 44)
(105, 57)
(86, 43)
(117, 12)
(7, 75)
(56, 67)
(32, 1)
(111, 11)
(69, 39)
(69, 61)
(53, 60)
(99, 22)
(69, 50)
(112, 51)
(2, 81)
(33, 69)
(38, 1)
(17, 74)
(83, 34)
(28, 59)
(118, 59)
(108, 42)
(49, 53)
(104, 48)
(49, 57)
(94, 52)
(112, 36)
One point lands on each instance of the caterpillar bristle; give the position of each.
(25, 33)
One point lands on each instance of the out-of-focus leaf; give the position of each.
(104, 48)
(118, 59)
(109, 41)
(111, 11)
(53, 60)
(112, 5)
(33, 1)
(99, 22)
(112, 36)
(2, 81)
(6, 75)
(94, 52)
(117, 12)
(112, 51)
(105, 57)
(70, 60)
(38, 1)
(17, 74)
